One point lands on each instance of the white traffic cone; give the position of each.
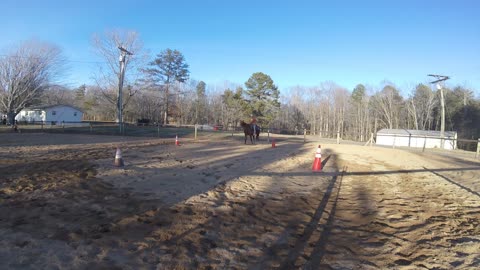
(118, 158)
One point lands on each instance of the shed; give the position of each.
(416, 138)
(51, 114)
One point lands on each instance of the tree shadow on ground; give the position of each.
(82, 211)
(276, 227)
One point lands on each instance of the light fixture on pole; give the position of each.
(438, 81)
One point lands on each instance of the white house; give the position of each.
(53, 114)
(416, 138)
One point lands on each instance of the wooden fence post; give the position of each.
(195, 132)
(338, 137)
(478, 149)
(268, 135)
(424, 143)
(369, 141)
(304, 135)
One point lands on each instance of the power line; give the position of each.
(70, 61)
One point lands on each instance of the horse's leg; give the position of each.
(245, 138)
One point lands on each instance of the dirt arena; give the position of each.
(220, 204)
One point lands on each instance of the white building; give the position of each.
(53, 114)
(416, 138)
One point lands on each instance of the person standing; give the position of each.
(253, 123)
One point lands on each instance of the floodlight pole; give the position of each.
(441, 78)
(121, 76)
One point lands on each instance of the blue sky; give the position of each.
(295, 42)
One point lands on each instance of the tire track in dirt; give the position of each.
(271, 216)
(315, 235)
(94, 224)
(402, 220)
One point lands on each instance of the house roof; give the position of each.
(413, 132)
(44, 107)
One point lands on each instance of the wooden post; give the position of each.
(268, 135)
(338, 137)
(368, 142)
(195, 132)
(424, 143)
(63, 126)
(371, 139)
(477, 154)
(455, 141)
(304, 135)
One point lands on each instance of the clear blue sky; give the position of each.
(295, 42)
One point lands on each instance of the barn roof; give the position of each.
(413, 132)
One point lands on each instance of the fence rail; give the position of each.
(112, 128)
(149, 130)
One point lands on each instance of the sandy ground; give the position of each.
(220, 204)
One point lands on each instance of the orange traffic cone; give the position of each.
(273, 143)
(118, 158)
(317, 163)
(177, 143)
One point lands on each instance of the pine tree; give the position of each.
(263, 97)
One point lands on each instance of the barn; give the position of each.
(51, 114)
(416, 138)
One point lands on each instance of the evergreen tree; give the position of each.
(263, 97)
(168, 67)
(200, 102)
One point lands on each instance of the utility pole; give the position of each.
(121, 77)
(439, 79)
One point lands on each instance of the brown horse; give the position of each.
(248, 131)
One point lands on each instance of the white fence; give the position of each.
(394, 140)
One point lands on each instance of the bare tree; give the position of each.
(388, 104)
(147, 105)
(57, 94)
(97, 109)
(24, 73)
(106, 46)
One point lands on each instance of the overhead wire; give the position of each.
(71, 61)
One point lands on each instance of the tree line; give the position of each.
(161, 90)
(330, 108)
